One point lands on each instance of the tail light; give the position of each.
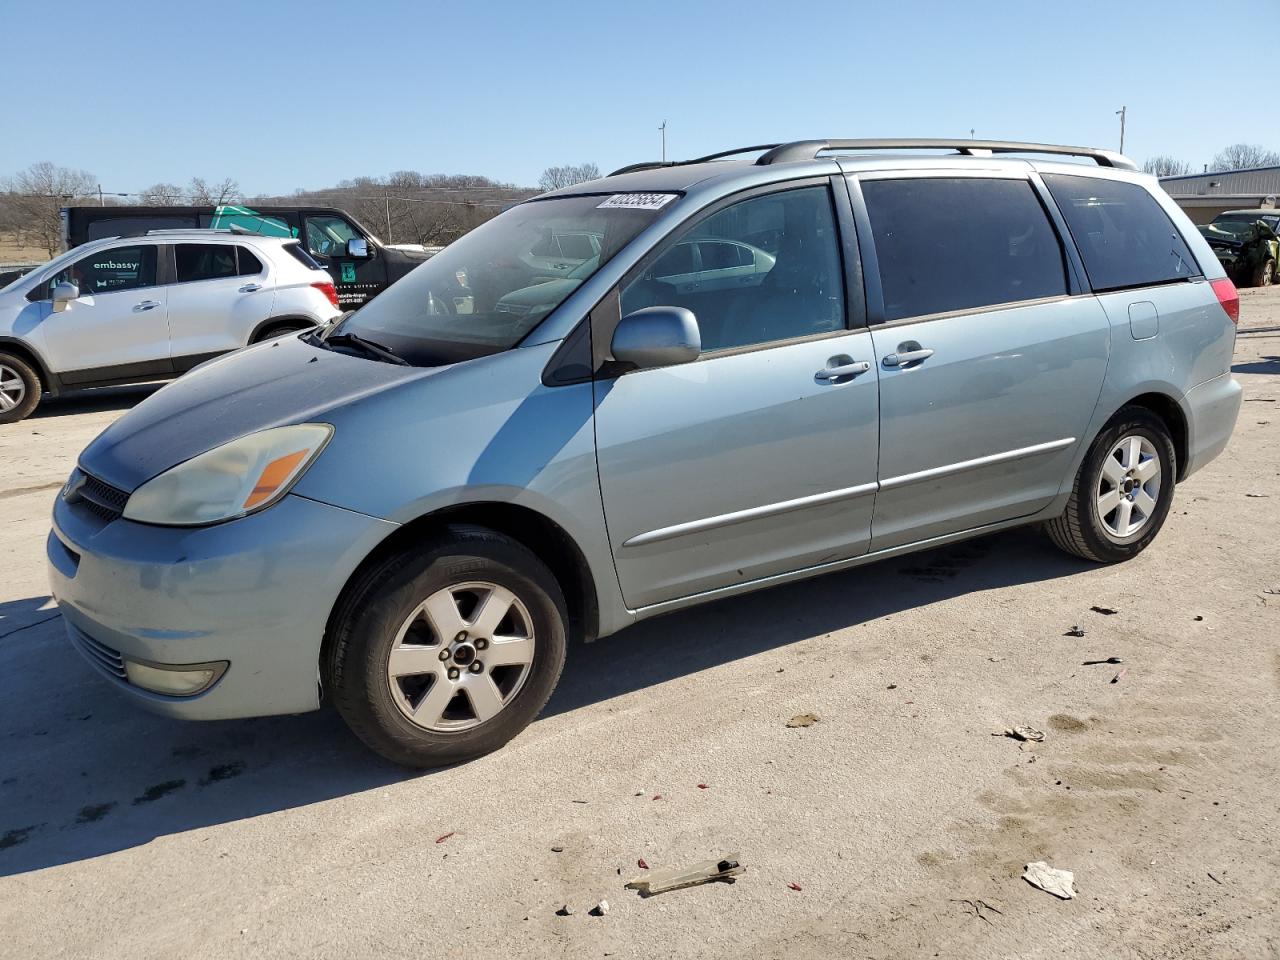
(330, 291)
(1228, 297)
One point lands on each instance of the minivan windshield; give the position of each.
(486, 291)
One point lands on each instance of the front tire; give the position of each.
(443, 653)
(1122, 492)
(20, 389)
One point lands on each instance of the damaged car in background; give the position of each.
(1246, 244)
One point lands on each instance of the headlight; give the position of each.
(235, 479)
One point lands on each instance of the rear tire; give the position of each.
(1122, 492)
(1264, 273)
(280, 330)
(442, 653)
(20, 388)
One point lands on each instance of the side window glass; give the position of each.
(786, 282)
(111, 270)
(947, 244)
(248, 264)
(204, 261)
(327, 236)
(1124, 237)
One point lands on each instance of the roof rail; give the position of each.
(809, 149)
(657, 164)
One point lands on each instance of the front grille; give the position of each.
(98, 654)
(101, 499)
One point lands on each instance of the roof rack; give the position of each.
(658, 164)
(809, 149)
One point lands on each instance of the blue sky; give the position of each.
(281, 95)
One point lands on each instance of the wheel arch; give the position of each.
(539, 533)
(20, 349)
(1169, 410)
(283, 320)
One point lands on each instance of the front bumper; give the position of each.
(254, 592)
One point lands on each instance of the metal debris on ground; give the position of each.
(1094, 663)
(721, 870)
(803, 720)
(795, 886)
(642, 864)
(1022, 733)
(1060, 883)
(557, 849)
(600, 909)
(1075, 631)
(442, 839)
(565, 911)
(1105, 611)
(1120, 676)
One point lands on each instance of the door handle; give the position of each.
(251, 287)
(146, 305)
(903, 357)
(843, 370)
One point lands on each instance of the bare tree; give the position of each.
(1164, 165)
(161, 195)
(1242, 156)
(213, 194)
(554, 178)
(30, 209)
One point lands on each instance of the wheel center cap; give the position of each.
(1128, 485)
(464, 654)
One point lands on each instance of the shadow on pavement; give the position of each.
(94, 401)
(1265, 365)
(84, 772)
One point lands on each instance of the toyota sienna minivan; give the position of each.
(775, 363)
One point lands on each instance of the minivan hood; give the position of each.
(270, 385)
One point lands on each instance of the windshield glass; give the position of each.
(1237, 226)
(484, 292)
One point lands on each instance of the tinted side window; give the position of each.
(248, 264)
(304, 258)
(107, 271)
(121, 225)
(794, 289)
(675, 262)
(327, 236)
(957, 244)
(205, 261)
(1125, 239)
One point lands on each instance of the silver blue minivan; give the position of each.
(773, 363)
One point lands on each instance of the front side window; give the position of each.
(485, 291)
(1124, 237)
(327, 236)
(112, 270)
(948, 244)
(204, 261)
(769, 270)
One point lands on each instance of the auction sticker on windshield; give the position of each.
(638, 201)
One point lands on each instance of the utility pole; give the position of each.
(663, 130)
(101, 202)
(386, 198)
(971, 136)
(1121, 113)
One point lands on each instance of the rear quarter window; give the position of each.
(1124, 237)
(299, 253)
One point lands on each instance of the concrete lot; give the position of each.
(127, 835)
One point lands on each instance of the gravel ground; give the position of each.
(904, 822)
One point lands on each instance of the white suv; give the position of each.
(150, 307)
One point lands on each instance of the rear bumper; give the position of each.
(1213, 407)
(255, 593)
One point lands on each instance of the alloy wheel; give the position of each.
(13, 389)
(461, 656)
(1128, 487)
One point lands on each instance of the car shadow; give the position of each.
(101, 399)
(1264, 365)
(84, 772)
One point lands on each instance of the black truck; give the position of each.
(361, 265)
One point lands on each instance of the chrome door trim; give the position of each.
(751, 513)
(893, 483)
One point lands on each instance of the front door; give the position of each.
(990, 368)
(357, 279)
(752, 460)
(118, 327)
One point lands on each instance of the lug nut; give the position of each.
(460, 637)
(444, 654)
(454, 673)
(482, 644)
(477, 667)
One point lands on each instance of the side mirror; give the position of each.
(358, 248)
(657, 337)
(63, 294)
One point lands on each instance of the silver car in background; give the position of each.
(412, 511)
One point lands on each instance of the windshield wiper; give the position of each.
(368, 346)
